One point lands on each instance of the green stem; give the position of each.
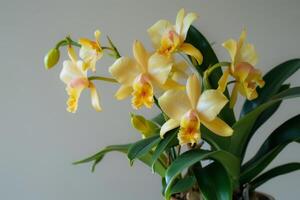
(113, 48)
(61, 43)
(210, 70)
(215, 66)
(101, 78)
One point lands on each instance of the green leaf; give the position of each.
(195, 38)
(170, 139)
(123, 148)
(189, 158)
(242, 128)
(286, 133)
(183, 185)
(276, 171)
(159, 119)
(214, 182)
(146, 159)
(273, 81)
(198, 40)
(142, 147)
(263, 117)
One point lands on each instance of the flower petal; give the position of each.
(140, 55)
(157, 30)
(188, 20)
(179, 71)
(123, 92)
(179, 21)
(193, 90)
(175, 103)
(234, 94)
(242, 39)
(71, 71)
(192, 51)
(223, 81)
(72, 54)
(95, 97)
(159, 67)
(125, 70)
(210, 104)
(171, 84)
(72, 102)
(248, 54)
(168, 125)
(218, 126)
(231, 47)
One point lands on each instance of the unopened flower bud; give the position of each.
(52, 58)
(144, 126)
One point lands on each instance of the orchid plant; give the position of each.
(196, 108)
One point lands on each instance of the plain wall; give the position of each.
(39, 140)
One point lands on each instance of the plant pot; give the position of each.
(254, 196)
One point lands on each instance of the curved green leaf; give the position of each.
(286, 133)
(146, 159)
(214, 182)
(189, 158)
(140, 148)
(272, 173)
(169, 139)
(242, 128)
(183, 185)
(264, 116)
(273, 81)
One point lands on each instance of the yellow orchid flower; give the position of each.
(247, 77)
(91, 51)
(188, 109)
(75, 77)
(168, 38)
(140, 75)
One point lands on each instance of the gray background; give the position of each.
(39, 139)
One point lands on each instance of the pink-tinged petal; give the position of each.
(193, 90)
(210, 104)
(231, 47)
(242, 71)
(140, 55)
(167, 126)
(218, 126)
(175, 103)
(192, 51)
(95, 97)
(124, 70)
(123, 92)
(71, 71)
(179, 21)
(157, 30)
(223, 81)
(188, 20)
(159, 67)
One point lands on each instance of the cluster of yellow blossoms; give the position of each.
(151, 74)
